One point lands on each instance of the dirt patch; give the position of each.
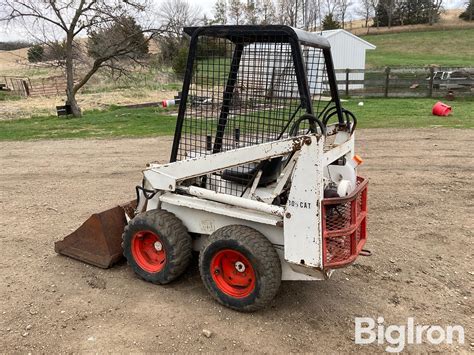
(37, 106)
(420, 233)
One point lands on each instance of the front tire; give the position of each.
(157, 246)
(240, 268)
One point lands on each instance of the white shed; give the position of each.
(348, 52)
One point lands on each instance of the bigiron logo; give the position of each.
(368, 331)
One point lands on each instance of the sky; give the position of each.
(15, 32)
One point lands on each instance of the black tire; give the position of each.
(175, 241)
(259, 252)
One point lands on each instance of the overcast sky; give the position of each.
(11, 32)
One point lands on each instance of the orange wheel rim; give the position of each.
(233, 273)
(148, 251)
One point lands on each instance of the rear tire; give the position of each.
(157, 246)
(240, 268)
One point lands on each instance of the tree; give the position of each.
(124, 32)
(407, 12)
(375, 5)
(180, 59)
(330, 23)
(252, 12)
(434, 7)
(288, 10)
(468, 14)
(12, 45)
(365, 10)
(177, 14)
(386, 13)
(312, 14)
(73, 18)
(220, 12)
(268, 12)
(343, 6)
(36, 53)
(389, 7)
(236, 11)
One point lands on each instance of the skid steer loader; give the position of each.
(262, 179)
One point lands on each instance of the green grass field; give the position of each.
(149, 122)
(452, 48)
(410, 113)
(94, 124)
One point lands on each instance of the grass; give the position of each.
(8, 96)
(449, 48)
(146, 122)
(115, 122)
(410, 113)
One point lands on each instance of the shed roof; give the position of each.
(330, 33)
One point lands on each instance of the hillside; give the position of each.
(449, 48)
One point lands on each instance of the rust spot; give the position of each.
(297, 143)
(279, 224)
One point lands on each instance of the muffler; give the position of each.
(98, 241)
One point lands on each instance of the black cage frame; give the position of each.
(242, 35)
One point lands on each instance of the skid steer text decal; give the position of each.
(299, 204)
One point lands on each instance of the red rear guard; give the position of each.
(344, 226)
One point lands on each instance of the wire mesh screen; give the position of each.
(245, 92)
(317, 78)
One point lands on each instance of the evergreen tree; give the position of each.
(36, 53)
(125, 32)
(330, 23)
(468, 14)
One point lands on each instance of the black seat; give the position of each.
(271, 169)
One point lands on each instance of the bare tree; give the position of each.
(288, 10)
(69, 19)
(375, 4)
(176, 14)
(220, 12)
(252, 12)
(267, 9)
(433, 11)
(389, 7)
(313, 14)
(343, 6)
(268, 12)
(236, 11)
(366, 11)
(331, 6)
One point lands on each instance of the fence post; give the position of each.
(430, 85)
(347, 81)
(387, 81)
(27, 89)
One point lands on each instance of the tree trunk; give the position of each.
(71, 95)
(390, 13)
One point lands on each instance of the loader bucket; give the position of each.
(98, 241)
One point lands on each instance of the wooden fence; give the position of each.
(388, 82)
(18, 85)
(25, 87)
(403, 82)
(51, 86)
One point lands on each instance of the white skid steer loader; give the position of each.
(260, 181)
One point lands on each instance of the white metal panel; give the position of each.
(164, 177)
(302, 222)
(199, 220)
(218, 208)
